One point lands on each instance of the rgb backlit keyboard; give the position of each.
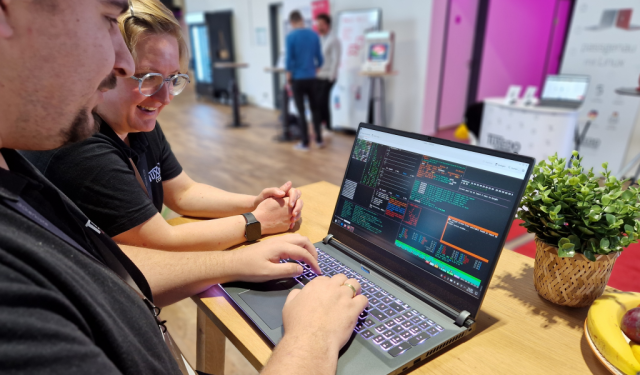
(388, 322)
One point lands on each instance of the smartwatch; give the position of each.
(253, 230)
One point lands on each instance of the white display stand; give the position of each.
(528, 130)
(378, 97)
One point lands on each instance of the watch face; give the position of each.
(253, 231)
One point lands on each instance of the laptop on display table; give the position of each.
(421, 223)
(564, 91)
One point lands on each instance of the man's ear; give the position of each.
(6, 31)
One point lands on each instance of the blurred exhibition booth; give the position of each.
(529, 76)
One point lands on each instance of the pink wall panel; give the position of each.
(432, 87)
(459, 49)
(516, 45)
(559, 34)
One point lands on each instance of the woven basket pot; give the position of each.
(574, 282)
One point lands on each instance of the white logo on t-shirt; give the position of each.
(154, 174)
(92, 226)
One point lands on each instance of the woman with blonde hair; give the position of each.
(121, 177)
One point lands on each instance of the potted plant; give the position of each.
(582, 222)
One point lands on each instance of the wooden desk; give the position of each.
(517, 331)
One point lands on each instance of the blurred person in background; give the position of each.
(328, 73)
(304, 58)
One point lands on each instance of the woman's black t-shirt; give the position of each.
(97, 176)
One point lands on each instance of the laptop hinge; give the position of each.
(444, 308)
(327, 239)
(462, 317)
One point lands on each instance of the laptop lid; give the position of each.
(564, 90)
(608, 18)
(432, 212)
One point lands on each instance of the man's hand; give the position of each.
(285, 190)
(318, 321)
(324, 311)
(261, 261)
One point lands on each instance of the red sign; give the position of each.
(318, 7)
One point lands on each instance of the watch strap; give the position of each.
(253, 229)
(250, 218)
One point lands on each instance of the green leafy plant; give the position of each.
(579, 212)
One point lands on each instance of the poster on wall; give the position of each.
(350, 95)
(604, 43)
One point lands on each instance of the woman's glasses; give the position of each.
(151, 83)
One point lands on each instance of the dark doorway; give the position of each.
(201, 59)
(275, 25)
(220, 29)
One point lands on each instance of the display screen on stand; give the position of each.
(378, 51)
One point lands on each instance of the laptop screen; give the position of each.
(442, 210)
(572, 88)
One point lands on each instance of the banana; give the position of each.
(603, 321)
(635, 348)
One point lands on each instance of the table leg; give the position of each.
(285, 113)
(235, 103)
(371, 113)
(286, 135)
(383, 104)
(210, 345)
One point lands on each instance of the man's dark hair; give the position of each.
(325, 17)
(295, 17)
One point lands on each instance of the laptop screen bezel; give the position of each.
(382, 259)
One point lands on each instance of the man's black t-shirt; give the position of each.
(97, 176)
(61, 311)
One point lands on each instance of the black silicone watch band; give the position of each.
(253, 229)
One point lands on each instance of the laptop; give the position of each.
(607, 20)
(421, 223)
(564, 91)
(624, 20)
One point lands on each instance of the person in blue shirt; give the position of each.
(304, 59)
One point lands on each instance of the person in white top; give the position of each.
(328, 73)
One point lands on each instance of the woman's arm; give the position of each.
(189, 198)
(274, 216)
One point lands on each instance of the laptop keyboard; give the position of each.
(387, 322)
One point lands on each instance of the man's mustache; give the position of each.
(109, 83)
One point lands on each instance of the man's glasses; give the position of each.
(151, 83)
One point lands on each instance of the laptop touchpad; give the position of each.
(268, 305)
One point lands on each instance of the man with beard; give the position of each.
(71, 301)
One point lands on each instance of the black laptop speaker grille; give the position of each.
(432, 351)
(446, 343)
